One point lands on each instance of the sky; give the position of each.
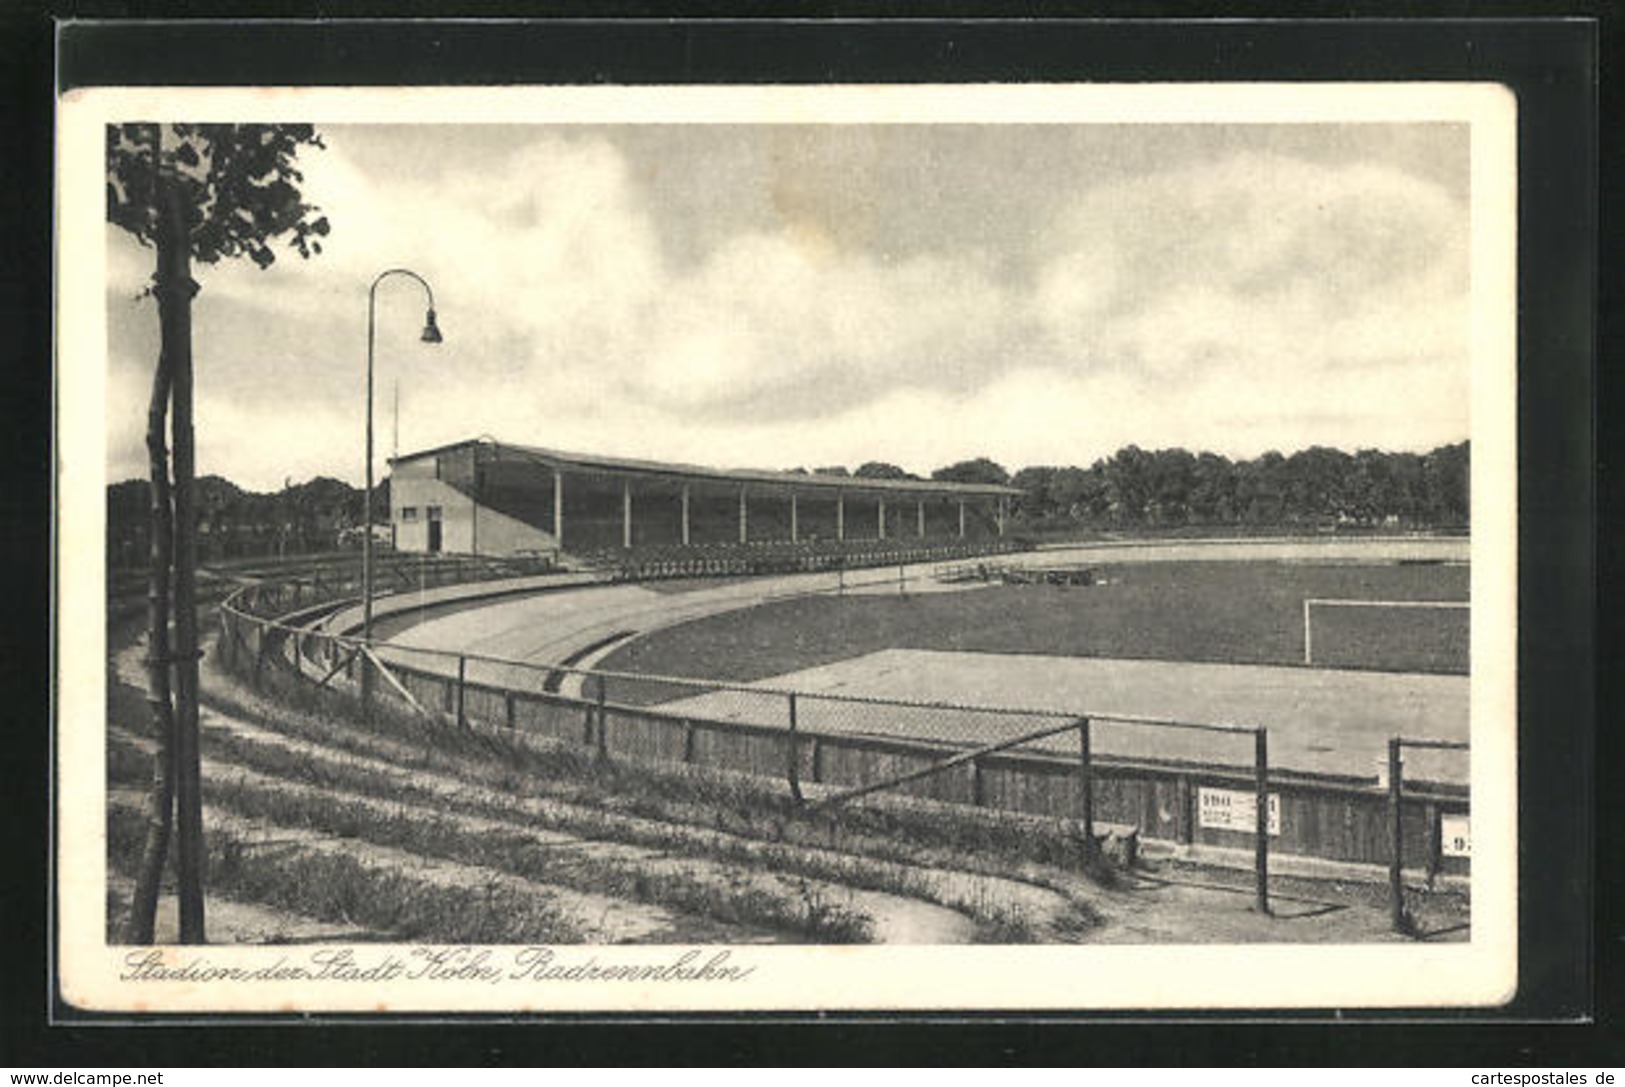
(780, 296)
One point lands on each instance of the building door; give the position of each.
(434, 530)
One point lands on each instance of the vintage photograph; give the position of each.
(790, 548)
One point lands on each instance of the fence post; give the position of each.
(591, 708)
(793, 757)
(508, 710)
(366, 676)
(978, 788)
(1261, 819)
(462, 696)
(259, 652)
(603, 719)
(1435, 841)
(1184, 828)
(688, 740)
(902, 588)
(1396, 882)
(1086, 787)
(817, 758)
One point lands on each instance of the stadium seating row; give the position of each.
(653, 562)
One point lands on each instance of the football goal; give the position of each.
(1388, 635)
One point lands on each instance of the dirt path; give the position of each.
(1171, 911)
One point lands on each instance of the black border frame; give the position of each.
(1552, 64)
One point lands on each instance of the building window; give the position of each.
(409, 513)
(433, 512)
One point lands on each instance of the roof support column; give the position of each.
(744, 530)
(840, 515)
(919, 509)
(685, 515)
(880, 504)
(961, 518)
(1004, 512)
(794, 533)
(626, 513)
(558, 508)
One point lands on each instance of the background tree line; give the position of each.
(301, 518)
(1164, 488)
(1315, 487)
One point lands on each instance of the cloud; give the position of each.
(775, 326)
(1250, 300)
(1266, 266)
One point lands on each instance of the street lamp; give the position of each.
(431, 334)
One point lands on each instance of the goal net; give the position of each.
(1387, 635)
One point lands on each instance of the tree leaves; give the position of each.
(980, 470)
(1318, 485)
(241, 186)
(877, 469)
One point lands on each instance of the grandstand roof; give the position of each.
(595, 462)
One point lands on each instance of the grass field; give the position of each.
(1218, 612)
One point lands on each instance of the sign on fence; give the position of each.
(1455, 836)
(1234, 809)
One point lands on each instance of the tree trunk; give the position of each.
(175, 291)
(161, 804)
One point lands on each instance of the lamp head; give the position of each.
(431, 331)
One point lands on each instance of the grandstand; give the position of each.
(489, 498)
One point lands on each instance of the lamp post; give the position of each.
(431, 334)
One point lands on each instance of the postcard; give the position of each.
(1020, 547)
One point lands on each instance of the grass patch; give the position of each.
(128, 765)
(340, 889)
(1221, 612)
(741, 900)
(728, 819)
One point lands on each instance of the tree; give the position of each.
(1213, 490)
(1315, 483)
(1172, 475)
(1128, 484)
(980, 470)
(238, 187)
(1083, 492)
(1036, 499)
(206, 193)
(1259, 488)
(879, 469)
(1447, 484)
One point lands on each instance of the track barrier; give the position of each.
(829, 749)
